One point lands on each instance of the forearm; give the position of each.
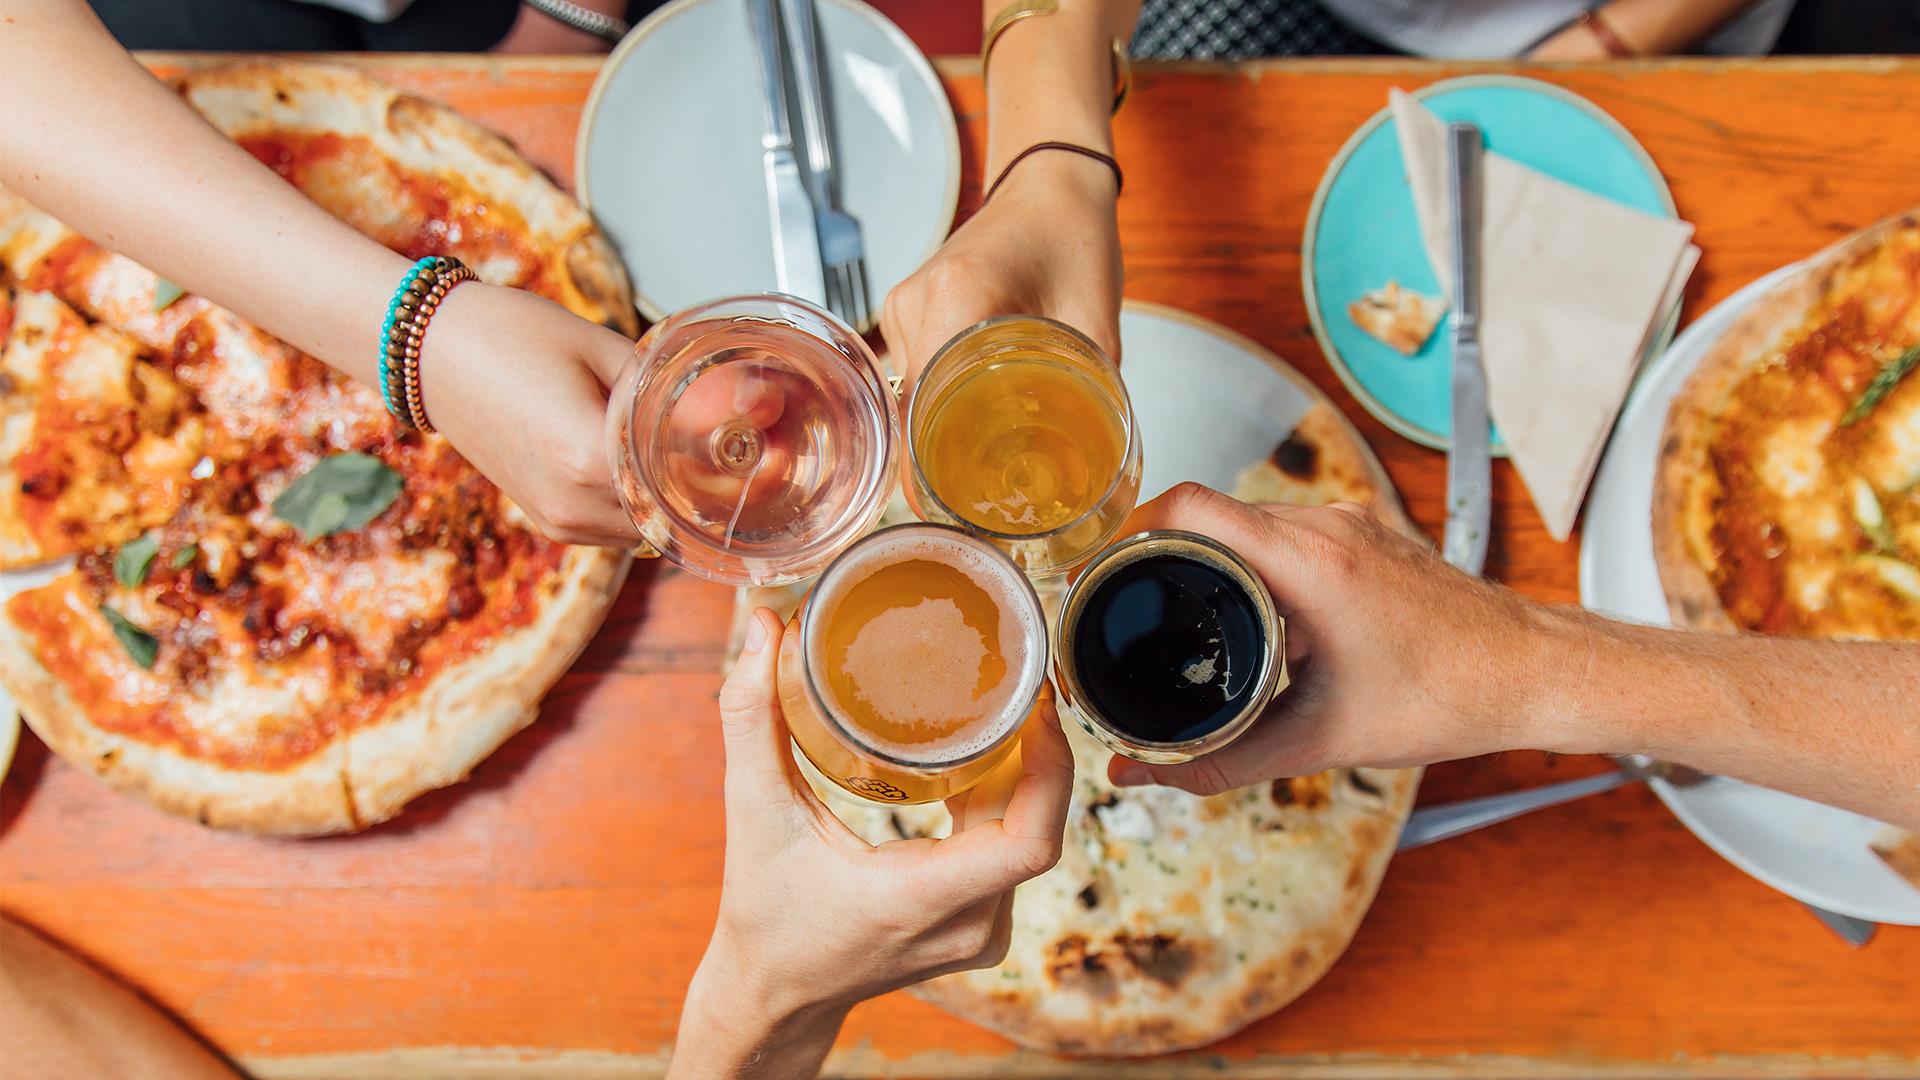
(1663, 27)
(732, 1027)
(1834, 721)
(139, 173)
(1051, 78)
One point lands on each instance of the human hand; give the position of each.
(1397, 658)
(1048, 244)
(517, 384)
(813, 919)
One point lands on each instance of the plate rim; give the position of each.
(1674, 799)
(649, 309)
(1433, 440)
(1376, 469)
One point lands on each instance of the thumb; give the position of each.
(751, 725)
(1207, 775)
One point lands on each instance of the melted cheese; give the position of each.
(1791, 463)
(372, 600)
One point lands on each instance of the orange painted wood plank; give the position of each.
(543, 917)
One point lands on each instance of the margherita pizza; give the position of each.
(1788, 494)
(1173, 921)
(287, 613)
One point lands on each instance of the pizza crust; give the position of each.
(1397, 317)
(1901, 850)
(428, 740)
(434, 140)
(1685, 488)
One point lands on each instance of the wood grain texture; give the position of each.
(542, 919)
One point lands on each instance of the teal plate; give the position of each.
(1362, 231)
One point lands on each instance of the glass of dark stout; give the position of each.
(1168, 647)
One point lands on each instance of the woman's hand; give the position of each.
(518, 384)
(813, 919)
(1048, 244)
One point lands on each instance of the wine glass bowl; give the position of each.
(752, 439)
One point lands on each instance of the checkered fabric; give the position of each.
(1241, 29)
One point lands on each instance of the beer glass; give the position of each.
(1168, 647)
(1019, 430)
(909, 669)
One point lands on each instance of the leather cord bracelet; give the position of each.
(1119, 179)
(1603, 32)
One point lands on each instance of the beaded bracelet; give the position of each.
(405, 328)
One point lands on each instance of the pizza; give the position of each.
(1397, 316)
(1171, 920)
(1787, 497)
(284, 611)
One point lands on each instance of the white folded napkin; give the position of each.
(1573, 288)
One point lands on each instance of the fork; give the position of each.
(841, 249)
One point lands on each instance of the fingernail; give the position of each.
(1132, 776)
(756, 636)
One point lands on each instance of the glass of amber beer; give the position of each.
(910, 667)
(1019, 430)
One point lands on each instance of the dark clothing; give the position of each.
(288, 26)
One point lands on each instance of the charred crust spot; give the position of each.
(7, 385)
(899, 827)
(1072, 965)
(1297, 457)
(1161, 957)
(1089, 897)
(1300, 958)
(1306, 792)
(1363, 785)
(280, 95)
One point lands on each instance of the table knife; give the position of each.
(1469, 468)
(796, 238)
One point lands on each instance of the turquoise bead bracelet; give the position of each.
(405, 327)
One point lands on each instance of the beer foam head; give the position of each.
(917, 662)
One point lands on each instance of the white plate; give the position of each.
(668, 156)
(1811, 852)
(1209, 402)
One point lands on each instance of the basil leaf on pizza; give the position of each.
(141, 646)
(341, 493)
(185, 556)
(134, 559)
(1883, 383)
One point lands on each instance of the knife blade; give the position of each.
(1469, 467)
(796, 239)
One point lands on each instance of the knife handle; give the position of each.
(773, 74)
(804, 48)
(1463, 188)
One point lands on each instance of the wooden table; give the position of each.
(542, 918)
